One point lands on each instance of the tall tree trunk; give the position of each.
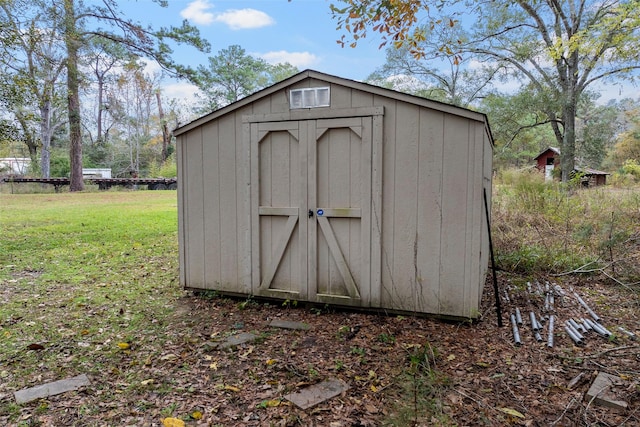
(165, 129)
(568, 150)
(45, 139)
(29, 139)
(73, 87)
(100, 106)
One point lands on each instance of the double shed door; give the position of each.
(311, 194)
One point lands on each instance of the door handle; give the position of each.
(310, 213)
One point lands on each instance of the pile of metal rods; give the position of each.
(575, 327)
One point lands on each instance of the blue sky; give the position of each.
(301, 32)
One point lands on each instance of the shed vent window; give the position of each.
(309, 98)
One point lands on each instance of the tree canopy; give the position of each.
(73, 26)
(561, 49)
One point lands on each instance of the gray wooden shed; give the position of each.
(329, 190)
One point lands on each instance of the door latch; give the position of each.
(310, 213)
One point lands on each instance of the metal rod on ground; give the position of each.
(577, 327)
(627, 333)
(516, 333)
(518, 316)
(577, 333)
(586, 324)
(586, 307)
(550, 331)
(599, 329)
(535, 325)
(493, 261)
(572, 335)
(537, 336)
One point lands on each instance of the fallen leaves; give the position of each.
(173, 422)
(512, 412)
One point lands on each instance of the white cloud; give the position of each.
(196, 12)
(297, 59)
(180, 90)
(242, 19)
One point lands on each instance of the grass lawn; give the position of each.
(82, 275)
(89, 285)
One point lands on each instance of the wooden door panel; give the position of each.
(278, 193)
(340, 162)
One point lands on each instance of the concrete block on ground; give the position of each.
(602, 394)
(317, 393)
(287, 324)
(51, 389)
(236, 340)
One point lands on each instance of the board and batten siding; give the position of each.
(420, 242)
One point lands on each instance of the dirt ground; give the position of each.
(401, 370)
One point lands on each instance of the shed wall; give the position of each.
(431, 223)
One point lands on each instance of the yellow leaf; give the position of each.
(512, 412)
(246, 353)
(172, 422)
(214, 366)
(147, 382)
(451, 357)
(374, 388)
(196, 415)
(231, 388)
(124, 345)
(271, 362)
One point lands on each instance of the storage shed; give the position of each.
(328, 190)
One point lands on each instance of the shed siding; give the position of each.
(430, 208)
(213, 242)
(402, 201)
(432, 167)
(194, 210)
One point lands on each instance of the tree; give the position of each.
(627, 146)
(561, 48)
(74, 25)
(596, 130)
(136, 39)
(233, 74)
(33, 63)
(437, 76)
(518, 125)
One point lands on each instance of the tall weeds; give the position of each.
(552, 228)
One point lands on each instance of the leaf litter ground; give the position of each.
(401, 370)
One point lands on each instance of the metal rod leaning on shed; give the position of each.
(516, 333)
(493, 261)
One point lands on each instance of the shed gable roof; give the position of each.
(550, 149)
(316, 75)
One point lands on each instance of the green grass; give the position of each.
(81, 273)
(541, 228)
